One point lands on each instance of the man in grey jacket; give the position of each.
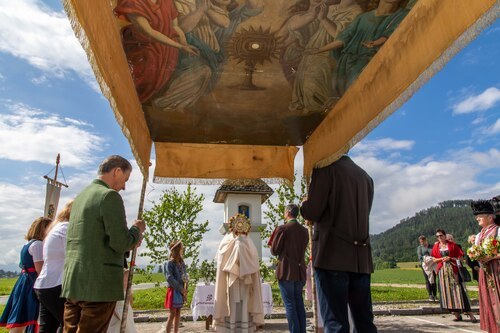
(339, 202)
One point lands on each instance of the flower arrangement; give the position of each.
(490, 247)
(475, 252)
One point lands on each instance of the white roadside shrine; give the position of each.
(245, 197)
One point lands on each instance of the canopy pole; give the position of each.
(128, 293)
(313, 281)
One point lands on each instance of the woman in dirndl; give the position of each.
(21, 310)
(489, 275)
(452, 293)
(175, 272)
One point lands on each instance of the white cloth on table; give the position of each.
(238, 294)
(202, 303)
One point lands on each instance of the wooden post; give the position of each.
(128, 293)
(313, 282)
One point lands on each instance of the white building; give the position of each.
(245, 196)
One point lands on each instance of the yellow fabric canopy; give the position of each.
(232, 94)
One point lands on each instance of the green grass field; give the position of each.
(399, 276)
(409, 265)
(407, 273)
(6, 285)
(155, 277)
(2, 330)
(403, 276)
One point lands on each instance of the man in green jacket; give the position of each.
(97, 239)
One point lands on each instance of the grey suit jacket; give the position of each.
(339, 202)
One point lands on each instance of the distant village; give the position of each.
(8, 274)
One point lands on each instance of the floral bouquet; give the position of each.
(476, 252)
(491, 246)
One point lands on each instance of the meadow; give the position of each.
(405, 274)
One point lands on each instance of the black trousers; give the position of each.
(51, 316)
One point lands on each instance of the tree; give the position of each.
(287, 194)
(174, 218)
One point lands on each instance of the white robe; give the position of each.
(116, 320)
(238, 294)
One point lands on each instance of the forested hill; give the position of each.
(400, 242)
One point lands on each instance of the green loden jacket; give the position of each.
(97, 239)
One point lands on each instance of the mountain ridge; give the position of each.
(399, 243)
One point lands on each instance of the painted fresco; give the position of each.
(248, 71)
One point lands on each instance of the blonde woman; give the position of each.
(48, 284)
(21, 310)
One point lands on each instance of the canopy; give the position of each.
(230, 88)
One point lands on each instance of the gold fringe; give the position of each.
(208, 181)
(84, 41)
(467, 36)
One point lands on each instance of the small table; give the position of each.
(204, 297)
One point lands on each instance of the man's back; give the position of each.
(339, 203)
(290, 245)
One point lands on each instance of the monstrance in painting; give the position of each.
(253, 47)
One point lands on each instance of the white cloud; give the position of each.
(385, 145)
(39, 80)
(402, 189)
(495, 128)
(29, 134)
(31, 31)
(484, 101)
(23, 204)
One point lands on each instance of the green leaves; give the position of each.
(174, 218)
(286, 194)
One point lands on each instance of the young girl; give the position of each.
(21, 310)
(175, 272)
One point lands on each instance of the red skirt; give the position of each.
(170, 303)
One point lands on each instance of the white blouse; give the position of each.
(54, 251)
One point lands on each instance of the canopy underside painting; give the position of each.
(248, 80)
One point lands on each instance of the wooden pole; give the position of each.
(128, 293)
(58, 159)
(313, 281)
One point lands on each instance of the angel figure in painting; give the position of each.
(238, 295)
(359, 42)
(208, 25)
(326, 19)
(151, 43)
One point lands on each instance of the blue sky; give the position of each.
(442, 144)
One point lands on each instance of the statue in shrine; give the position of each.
(238, 295)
